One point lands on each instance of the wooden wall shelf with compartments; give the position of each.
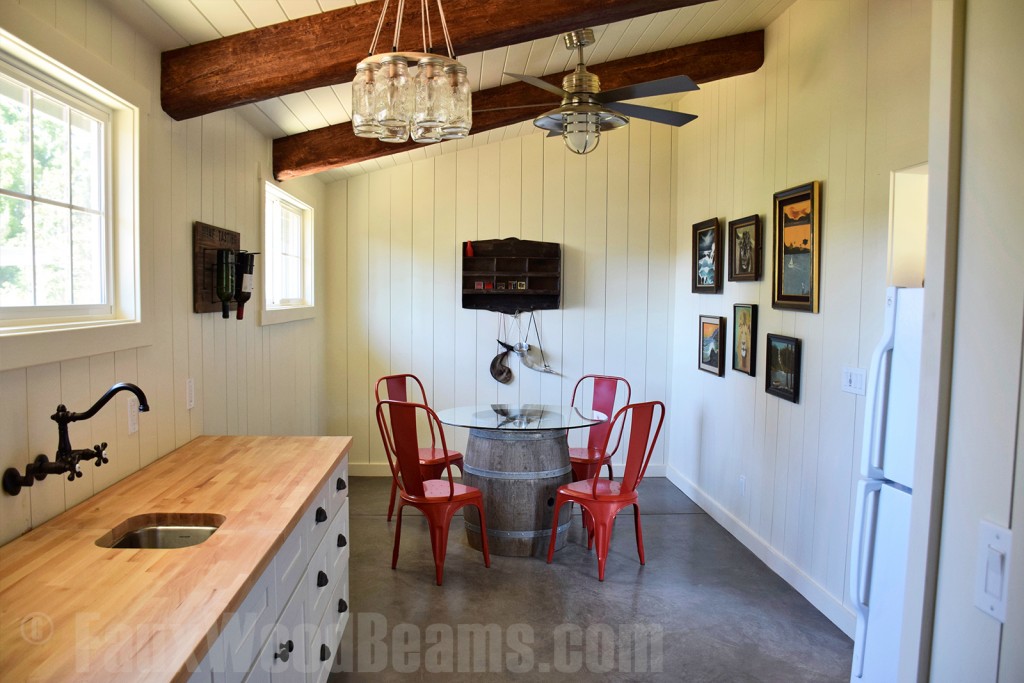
(511, 275)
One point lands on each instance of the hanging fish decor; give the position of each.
(532, 356)
(499, 364)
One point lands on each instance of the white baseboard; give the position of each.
(827, 604)
(377, 469)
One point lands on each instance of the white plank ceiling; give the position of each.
(171, 24)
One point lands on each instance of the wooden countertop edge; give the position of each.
(26, 555)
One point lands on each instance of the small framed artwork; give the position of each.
(745, 257)
(797, 259)
(783, 376)
(712, 342)
(744, 338)
(707, 257)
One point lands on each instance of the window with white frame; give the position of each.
(55, 223)
(288, 257)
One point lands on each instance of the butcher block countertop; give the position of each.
(70, 610)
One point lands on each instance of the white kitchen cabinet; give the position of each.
(290, 624)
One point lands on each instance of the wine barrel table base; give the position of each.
(519, 474)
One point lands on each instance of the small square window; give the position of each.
(288, 257)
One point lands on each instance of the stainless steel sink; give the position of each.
(162, 531)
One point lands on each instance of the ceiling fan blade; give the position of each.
(662, 86)
(539, 83)
(536, 105)
(637, 111)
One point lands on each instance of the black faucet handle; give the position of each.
(101, 453)
(75, 471)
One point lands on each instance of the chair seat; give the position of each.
(436, 490)
(588, 455)
(606, 490)
(431, 456)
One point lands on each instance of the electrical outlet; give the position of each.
(743, 485)
(133, 414)
(854, 381)
(190, 394)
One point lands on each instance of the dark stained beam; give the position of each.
(323, 49)
(334, 146)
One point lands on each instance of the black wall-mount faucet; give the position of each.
(68, 459)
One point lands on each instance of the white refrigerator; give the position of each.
(881, 531)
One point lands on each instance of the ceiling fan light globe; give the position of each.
(581, 131)
(582, 142)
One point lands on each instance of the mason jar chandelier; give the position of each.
(392, 104)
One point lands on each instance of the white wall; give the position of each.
(842, 98)
(985, 410)
(396, 275)
(249, 379)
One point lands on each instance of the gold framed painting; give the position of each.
(796, 263)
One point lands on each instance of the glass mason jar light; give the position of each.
(433, 94)
(460, 119)
(364, 120)
(393, 99)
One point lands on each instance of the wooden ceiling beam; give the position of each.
(323, 49)
(335, 146)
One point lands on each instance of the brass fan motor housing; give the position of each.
(581, 81)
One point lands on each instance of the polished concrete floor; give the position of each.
(703, 608)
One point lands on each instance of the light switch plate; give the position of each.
(992, 570)
(190, 394)
(854, 381)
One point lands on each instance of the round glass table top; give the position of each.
(520, 417)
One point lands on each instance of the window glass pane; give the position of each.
(14, 131)
(15, 252)
(53, 255)
(50, 152)
(86, 168)
(87, 258)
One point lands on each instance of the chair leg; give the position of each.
(483, 534)
(588, 524)
(559, 500)
(439, 544)
(602, 534)
(611, 477)
(391, 503)
(398, 536)
(639, 533)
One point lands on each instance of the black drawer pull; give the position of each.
(341, 485)
(342, 606)
(284, 650)
(325, 653)
(342, 542)
(321, 579)
(321, 515)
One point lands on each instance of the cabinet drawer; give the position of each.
(338, 540)
(337, 488)
(339, 608)
(316, 519)
(322, 650)
(290, 563)
(320, 581)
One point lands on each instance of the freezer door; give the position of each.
(900, 445)
(876, 654)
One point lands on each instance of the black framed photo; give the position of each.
(744, 338)
(712, 344)
(707, 257)
(797, 259)
(745, 249)
(783, 376)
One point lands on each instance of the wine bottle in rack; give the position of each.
(244, 264)
(225, 280)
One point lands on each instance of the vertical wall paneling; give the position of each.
(827, 105)
(203, 169)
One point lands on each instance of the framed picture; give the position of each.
(797, 259)
(783, 376)
(707, 257)
(712, 342)
(744, 338)
(745, 247)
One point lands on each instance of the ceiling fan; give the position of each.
(586, 111)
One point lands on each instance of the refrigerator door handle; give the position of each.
(860, 560)
(877, 388)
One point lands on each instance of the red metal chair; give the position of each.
(602, 499)
(431, 460)
(587, 461)
(437, 499)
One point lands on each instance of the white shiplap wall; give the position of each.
(397, 273)
(842, 98)
(249, 379)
